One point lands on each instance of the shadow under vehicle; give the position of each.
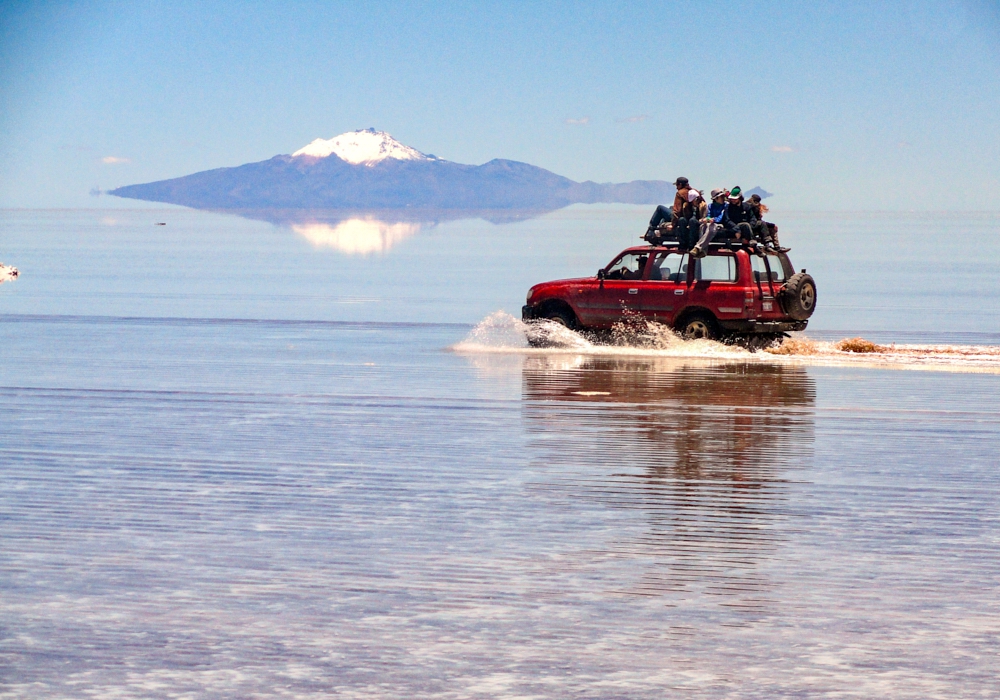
(707, 453)
(729, 293)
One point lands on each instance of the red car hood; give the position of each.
(545, 288)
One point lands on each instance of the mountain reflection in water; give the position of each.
(357, 236)
(707, 453)
(368, 231)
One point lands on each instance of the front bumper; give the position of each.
(750, 326)
(527, 312)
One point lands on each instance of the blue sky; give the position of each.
(839, 105)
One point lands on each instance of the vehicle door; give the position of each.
(604, 303)
(665, 291)
(714, 285)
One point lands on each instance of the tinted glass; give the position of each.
(716, 268)
(670, 267)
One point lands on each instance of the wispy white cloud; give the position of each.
(783, 149)
(582, 121)
(633, 120)
(115, 160)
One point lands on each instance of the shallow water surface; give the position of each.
(243, 461)
(299, 509)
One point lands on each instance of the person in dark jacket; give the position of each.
(742, 216)
(765, 233)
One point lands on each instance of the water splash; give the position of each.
(502, 333)
(8, 273)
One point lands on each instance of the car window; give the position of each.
(628, 266)
(760, 271)
(777, 268)
(716, 268)
(670, 267)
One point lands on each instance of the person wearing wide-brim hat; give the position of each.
(714, 221)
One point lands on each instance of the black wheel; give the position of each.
(561, 316)
(698, 325)
(798, 296)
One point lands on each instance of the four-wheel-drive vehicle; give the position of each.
(731, 292)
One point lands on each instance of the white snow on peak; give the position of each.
(365, 146)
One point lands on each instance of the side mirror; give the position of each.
(601, 274)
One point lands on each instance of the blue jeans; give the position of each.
(661, 214)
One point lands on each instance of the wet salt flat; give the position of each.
(234, 504)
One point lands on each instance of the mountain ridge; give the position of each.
(368, 169)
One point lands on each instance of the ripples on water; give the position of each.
(316, 509)
(209, 507)
(704, 454)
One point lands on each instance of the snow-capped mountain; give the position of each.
(362, 147)
(369, 169)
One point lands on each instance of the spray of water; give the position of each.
(7, 273)
(502, 333)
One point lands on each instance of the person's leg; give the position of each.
(690, 233)
(708, 231)
(659, 216)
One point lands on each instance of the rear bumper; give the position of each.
(745, 326)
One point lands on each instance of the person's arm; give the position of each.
(724, 219)
(678, 203)
(718, 219)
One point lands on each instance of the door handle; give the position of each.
(678, 291)
(633, 291)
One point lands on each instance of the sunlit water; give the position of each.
(235, 462)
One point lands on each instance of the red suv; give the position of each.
(730, 292)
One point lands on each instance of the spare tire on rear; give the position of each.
(798, 296)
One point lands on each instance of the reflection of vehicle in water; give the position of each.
(705, 452)
(728, 292)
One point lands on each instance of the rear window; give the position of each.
(716, 268)
(670, 267)
(760, 272)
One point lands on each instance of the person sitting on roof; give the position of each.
(715, 221)
(742, 216)
(662, 213)
(687, 224)
(766, 233)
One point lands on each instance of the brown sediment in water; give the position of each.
(794, 346)
(859, 345)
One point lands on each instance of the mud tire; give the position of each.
(699, 324)
(798, 296)
(561, 316)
